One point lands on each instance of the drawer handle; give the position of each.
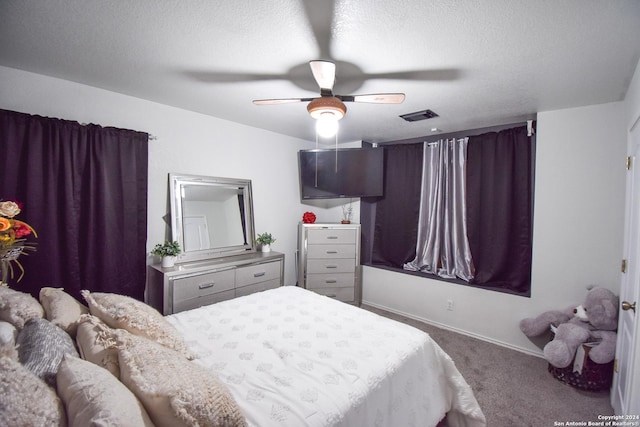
(331, 281)
(332, 237)
(206, 285)
(331, 266)
(332, 295)
(260, 274)
(332, 252)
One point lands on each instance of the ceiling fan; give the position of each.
(328, 108)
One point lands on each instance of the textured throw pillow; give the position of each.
(93, 397)
(26, 399)
(175, 391)
(123, 312)
(18, 307)
(95, 342)
(62, 309)
(8, 333)
(41, 345)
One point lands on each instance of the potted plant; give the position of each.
(265, 240)
(168, 251)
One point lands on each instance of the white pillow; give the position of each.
(93, 397)
(175, 391)
(62, 309)
(18, 307)
(26, 399)
(96, 343)
(138, 318)
(8, 333)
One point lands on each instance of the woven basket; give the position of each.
(594, 376)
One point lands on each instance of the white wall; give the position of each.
(632, 100)
(187, 142)
(578, 206)
(578, 234)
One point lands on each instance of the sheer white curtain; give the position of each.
(442, 247)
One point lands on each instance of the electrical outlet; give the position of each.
(450, 304)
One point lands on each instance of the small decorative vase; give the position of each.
(6, 257)
(266, 248)
(345, 221)
(4, 268)
(168, 261)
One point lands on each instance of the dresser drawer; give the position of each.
(337, 280)
(258, 273)
(331, 236)
(331, 251)
(202, 285)
(342, 294)
(257, 287)
(338, 265)
(188, 304)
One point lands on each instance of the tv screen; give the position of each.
(345, 172)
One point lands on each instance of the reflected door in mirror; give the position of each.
(196, 233)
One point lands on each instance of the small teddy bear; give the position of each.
(595, 320)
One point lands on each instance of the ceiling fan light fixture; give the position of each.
(327, 104)
(327, 125)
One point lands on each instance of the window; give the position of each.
(499, 199)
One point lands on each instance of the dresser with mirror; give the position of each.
(212, 220)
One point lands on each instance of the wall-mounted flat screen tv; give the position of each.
(344, 172)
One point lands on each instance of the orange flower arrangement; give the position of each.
(13, 242)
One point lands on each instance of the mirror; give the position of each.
(211, 217)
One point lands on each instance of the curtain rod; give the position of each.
(457, 134)
(149, 136)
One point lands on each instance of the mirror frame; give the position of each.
(177, 182)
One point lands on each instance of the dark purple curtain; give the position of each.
(84, 190)
(500, 178)
(397, 212)
(500, 172)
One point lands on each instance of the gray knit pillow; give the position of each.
(41, 345)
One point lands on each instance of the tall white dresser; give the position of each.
(329, 260)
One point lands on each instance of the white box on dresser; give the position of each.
(197, 283)
(329, 260)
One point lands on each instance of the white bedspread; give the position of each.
(293, 358)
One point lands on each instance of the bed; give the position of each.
(281, 357)
(291, 357)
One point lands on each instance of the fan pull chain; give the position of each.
(316, 180)
(336, 152)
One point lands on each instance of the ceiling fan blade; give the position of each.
(280, 101)
(374, 98)
(325, 74)
(320, 17)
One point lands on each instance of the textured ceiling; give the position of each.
(475, 63)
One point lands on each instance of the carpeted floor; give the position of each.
(514, 388)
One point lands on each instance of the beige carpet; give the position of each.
(513, 388)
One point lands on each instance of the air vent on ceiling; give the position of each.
(419, 115)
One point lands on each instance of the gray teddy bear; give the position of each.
(594, 321)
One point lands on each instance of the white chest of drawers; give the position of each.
(194, 284)
(329, 260)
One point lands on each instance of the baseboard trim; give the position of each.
(452, 329)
